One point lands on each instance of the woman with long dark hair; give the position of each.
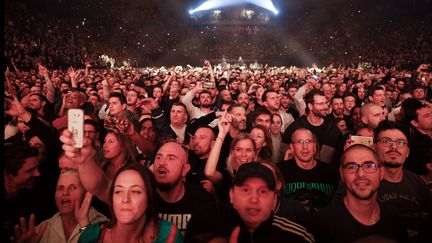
(134, 217)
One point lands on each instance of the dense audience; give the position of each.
(146, 35)
(223, 151)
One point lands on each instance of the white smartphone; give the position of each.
(76, 126)
(368, 141)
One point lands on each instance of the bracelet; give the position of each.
(83, 228)
(220, 138)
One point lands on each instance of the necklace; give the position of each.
(363, 218)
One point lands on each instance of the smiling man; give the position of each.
(358, 217)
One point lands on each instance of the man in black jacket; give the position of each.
(253, 199)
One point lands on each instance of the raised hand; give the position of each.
(224, 124)
(348, 143)
(71, 72)
(79, 156)
(125, 126)
(14, 107)
(207, 62)
(199, 87)
(9, 86)
(7, 72)
(150, 103)
(26, 233)
(81, 211)
(288, 154)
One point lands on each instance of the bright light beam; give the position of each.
(212, 4)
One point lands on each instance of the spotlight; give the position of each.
(214, 4)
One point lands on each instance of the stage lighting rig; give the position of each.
(215, 4)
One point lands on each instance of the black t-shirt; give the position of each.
(179, 213)
(334, 223)
(49, 114)
(317, 185)
(410, 197)
(196, 172)
(327, 133)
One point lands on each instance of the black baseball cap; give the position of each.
(254, 170)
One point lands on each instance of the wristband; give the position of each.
(83, 228)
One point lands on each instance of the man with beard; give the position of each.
(261, 116)
(23, 195)
(272, 102)
(201, 143)
(337, 107)
(238, 125)
(357, 215)
(204, 102)
(402, 188)
(326, 130)
(243, 99)
(176, 200)
(306, 179)
(42, 106)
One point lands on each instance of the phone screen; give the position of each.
(368, 141)
(76, 126)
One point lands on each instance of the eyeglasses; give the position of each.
(389, 142)
(367, 166)
(303, 141)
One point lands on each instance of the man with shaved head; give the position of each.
(371, 115)
(176, 200)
